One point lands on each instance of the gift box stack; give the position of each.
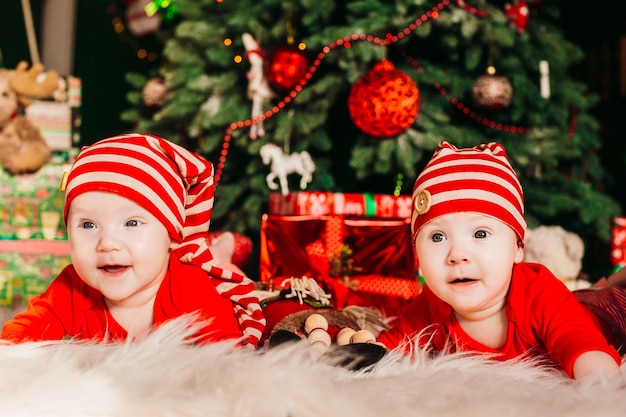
(357, 246)
(33, 239)
(58, 117)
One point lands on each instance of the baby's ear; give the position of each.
(519, 254)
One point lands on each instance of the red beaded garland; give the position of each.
(432, 14)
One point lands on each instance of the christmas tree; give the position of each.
(369, 88)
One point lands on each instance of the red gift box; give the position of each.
(327, 203)
(618, 241)
(384, 261)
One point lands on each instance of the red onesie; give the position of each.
(544, 317)
(69, 307)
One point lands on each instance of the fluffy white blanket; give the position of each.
(163, 375)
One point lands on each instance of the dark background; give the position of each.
(600, 30)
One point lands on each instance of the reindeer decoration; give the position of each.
(283, 164)
(258, 87)
(22, 147)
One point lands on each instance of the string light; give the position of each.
(167, 8)
(399, 182)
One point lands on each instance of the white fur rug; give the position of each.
(164, 376)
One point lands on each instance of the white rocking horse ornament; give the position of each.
(283, 164)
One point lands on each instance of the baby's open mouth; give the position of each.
(113, 269)
(461, 280)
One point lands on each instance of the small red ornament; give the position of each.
(286, 67)
(492, 92)
(517, 14)
(384, 102)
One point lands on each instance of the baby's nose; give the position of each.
(458, 254)
(108, 241)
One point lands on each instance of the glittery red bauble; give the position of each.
(384, 102)
(286, 67)
(492, 92)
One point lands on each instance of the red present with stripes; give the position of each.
(322, 203)
(382, 255)
(618, 241)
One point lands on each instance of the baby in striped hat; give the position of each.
(137, 211)
(479, 296)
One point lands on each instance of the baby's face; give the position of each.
(467, 259)
(117, 247)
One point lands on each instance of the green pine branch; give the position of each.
(562, 176)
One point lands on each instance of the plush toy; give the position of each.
(22, 147)
(230, 247)
(556, 248)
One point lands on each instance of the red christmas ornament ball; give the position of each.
(384, 102)
(286, 67)
(492, 92)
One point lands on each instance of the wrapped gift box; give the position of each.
(31, 205)
(33, 238)
(618, 241)
(28, 266)
(327, 203)
(58, 117)
(383, 260)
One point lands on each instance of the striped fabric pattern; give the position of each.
(177, 187)
(478, 179)
(608, 303)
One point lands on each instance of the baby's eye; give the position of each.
(438, 237)
(481, 234)
(132, 223)
(88, 225)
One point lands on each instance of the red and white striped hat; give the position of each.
(478, 179)
(177, 187)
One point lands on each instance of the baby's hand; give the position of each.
(594, 363)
